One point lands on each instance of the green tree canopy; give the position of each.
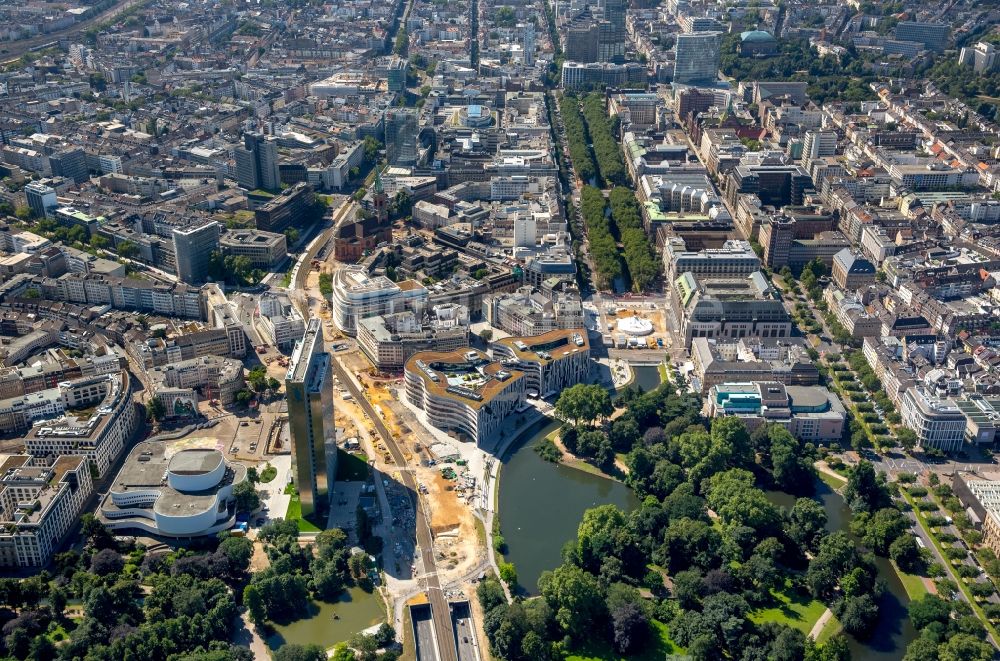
(584, 403)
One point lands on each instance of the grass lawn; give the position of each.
(480, 530)
(294, 513)
(581, 465)
(831, 481)
(409, 652)
(662, 368)
(577, 463)
(268, 474)
(794, 609)
(58, 634)
(829, 630)
(658, 649)
(913, 584)
(352, 467)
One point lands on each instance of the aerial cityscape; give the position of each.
(500, 330)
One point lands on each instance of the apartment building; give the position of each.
(39, 504)
(852, 314)
(177, 300)
(100, 436)
(882, 354)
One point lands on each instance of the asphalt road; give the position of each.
(466, 639)
(425, 639)
(245, 307)
(439, 606)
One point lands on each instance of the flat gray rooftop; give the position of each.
(810, 396)
(195, 461)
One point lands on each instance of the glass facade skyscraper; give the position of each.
(309, 393)
(697, 58)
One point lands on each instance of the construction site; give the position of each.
(440, 475)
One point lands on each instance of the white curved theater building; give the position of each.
(187, 493)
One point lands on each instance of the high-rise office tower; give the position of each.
(611, 33)
(697, 58)
(395, 73)
(309, 392)
(528, 44)
(267, 161)
(193, 247)
(246, 168)
(581, 41)
(819, 144)
(70, 163)
(934, 36)
(401, 136)
(257, 162)
(41, 198)
(983, 57)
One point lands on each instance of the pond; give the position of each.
(894, 631)
(356, 610)
(647, 377)
(542, 503)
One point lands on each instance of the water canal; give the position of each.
(894, 631)
(541, 505)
